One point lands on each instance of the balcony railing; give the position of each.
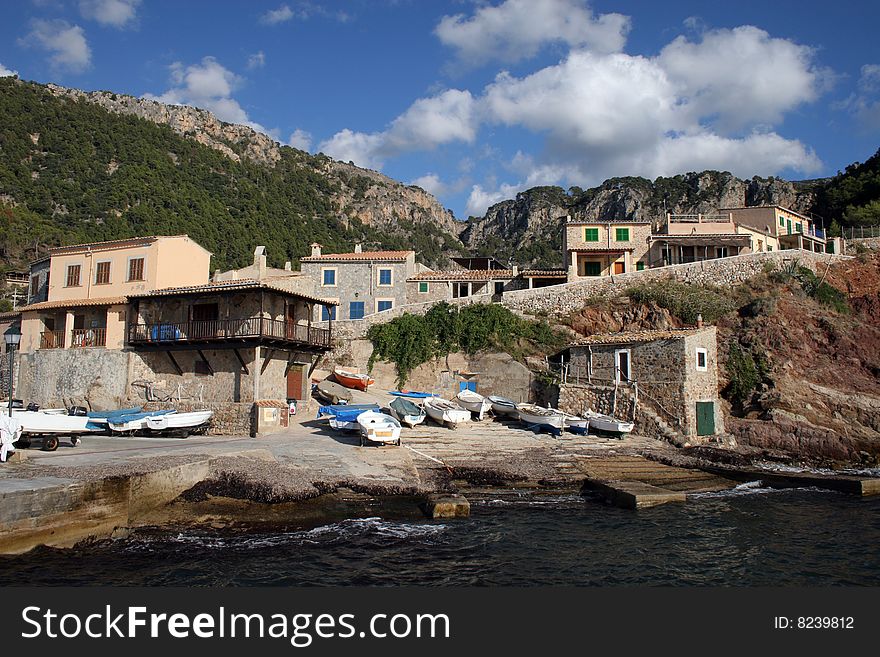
(52, 340)
(90, 337)
(219, 330)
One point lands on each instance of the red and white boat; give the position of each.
(353, 379)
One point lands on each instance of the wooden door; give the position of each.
(618, 267)
(295, 382)
(705, 418)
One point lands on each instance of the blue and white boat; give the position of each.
(344, 417)
(543, 418)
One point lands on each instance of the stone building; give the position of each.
(674, 373)
(469, 276)
(603, 248)
(359, 283)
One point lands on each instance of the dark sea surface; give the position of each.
(750, 536)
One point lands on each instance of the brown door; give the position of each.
(618, 267)
(290, 316)
(295, 382)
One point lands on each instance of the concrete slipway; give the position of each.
(107, 485)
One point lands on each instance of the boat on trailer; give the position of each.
(407, 411)
(344, 417)
(353, 379)
(607, 423)
(503, 406)
(134, 422)
(544, 418)
(474, 402)
(377, 427)
(445, 412)
(190, 422)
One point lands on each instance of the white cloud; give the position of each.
(117, 13)
(741, 75)
(431, 183)
(429, 122)
(6, 72)
(208, 85)
(480, 199)
(518, 29)
(276, 16)
(300, 139)
(257, 60)
(865, 104)
(67, 43)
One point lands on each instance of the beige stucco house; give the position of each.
(602, 248)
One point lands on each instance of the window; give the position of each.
(829, 248)
(328, 277)
(799, 227)
(769, 248)
(591, 234)
(385, 277)
(135, 269)
(384, 304)
(640, 266)
(328, 313)
(621, 234)
(721, 251)
(102, 273)
(622, 365)
(702, 360)
(499, 287)
(205, 312)
(782, 221)
(592, 268)
(73, 275)
(35, 285)
(423, 287)
(356, 310)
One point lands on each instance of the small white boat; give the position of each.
(172, 421)
(38, 422)
(474, 402)
(378, 428)
(503, 405)
(344, 417)
(544, 418)
(607, 423)
(445, 412)
(574, 423)
(135, 421)
(407, 411)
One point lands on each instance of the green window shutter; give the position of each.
(781, 221)
(591, 234)
(423, 287)
(640, 266)
(622, 235)
(799, 228)
(592, 268)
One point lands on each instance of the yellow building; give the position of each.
(89, 283)
(603, 248)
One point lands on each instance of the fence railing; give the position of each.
(859, 232)
(228, 329)
(52, 340)
(90, 337)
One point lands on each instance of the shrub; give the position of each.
(683, 300)
(821, 291)
(745, 372)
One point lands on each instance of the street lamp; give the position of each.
(12, 337)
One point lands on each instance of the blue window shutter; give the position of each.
(356, 310)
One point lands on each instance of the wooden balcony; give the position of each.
(90, 337)
(52, 340)
(230, 331)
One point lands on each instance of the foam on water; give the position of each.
(752, 488)
(803, 469)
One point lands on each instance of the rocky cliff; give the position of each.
(528, 230)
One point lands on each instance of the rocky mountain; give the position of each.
(528, 229)
(90, 167)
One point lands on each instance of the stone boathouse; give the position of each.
(668, 379)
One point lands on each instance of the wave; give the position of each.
(752, 488)
(333, 533)
(804, 469)
(530, 500)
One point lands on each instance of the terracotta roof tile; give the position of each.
(638, 336)
(463, 275)
(554, 273)
(226, 286)
(270, 403)
(75, 303)
(366, 255)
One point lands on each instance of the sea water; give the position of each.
(748, 536)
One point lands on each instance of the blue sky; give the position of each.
(477, 100)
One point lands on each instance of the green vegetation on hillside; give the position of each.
(410, 340)
(72, 172)
(852, 197)
(683, 300)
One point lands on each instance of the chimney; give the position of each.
(216, 275)
(700, 320)
(288, 266)
(260, 262)
(358, 248)
(515, 271)
(316, 249)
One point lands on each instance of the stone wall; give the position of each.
(229, 419)
(358, 278)
(60, 378)
(153, 376)
(570, 297)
